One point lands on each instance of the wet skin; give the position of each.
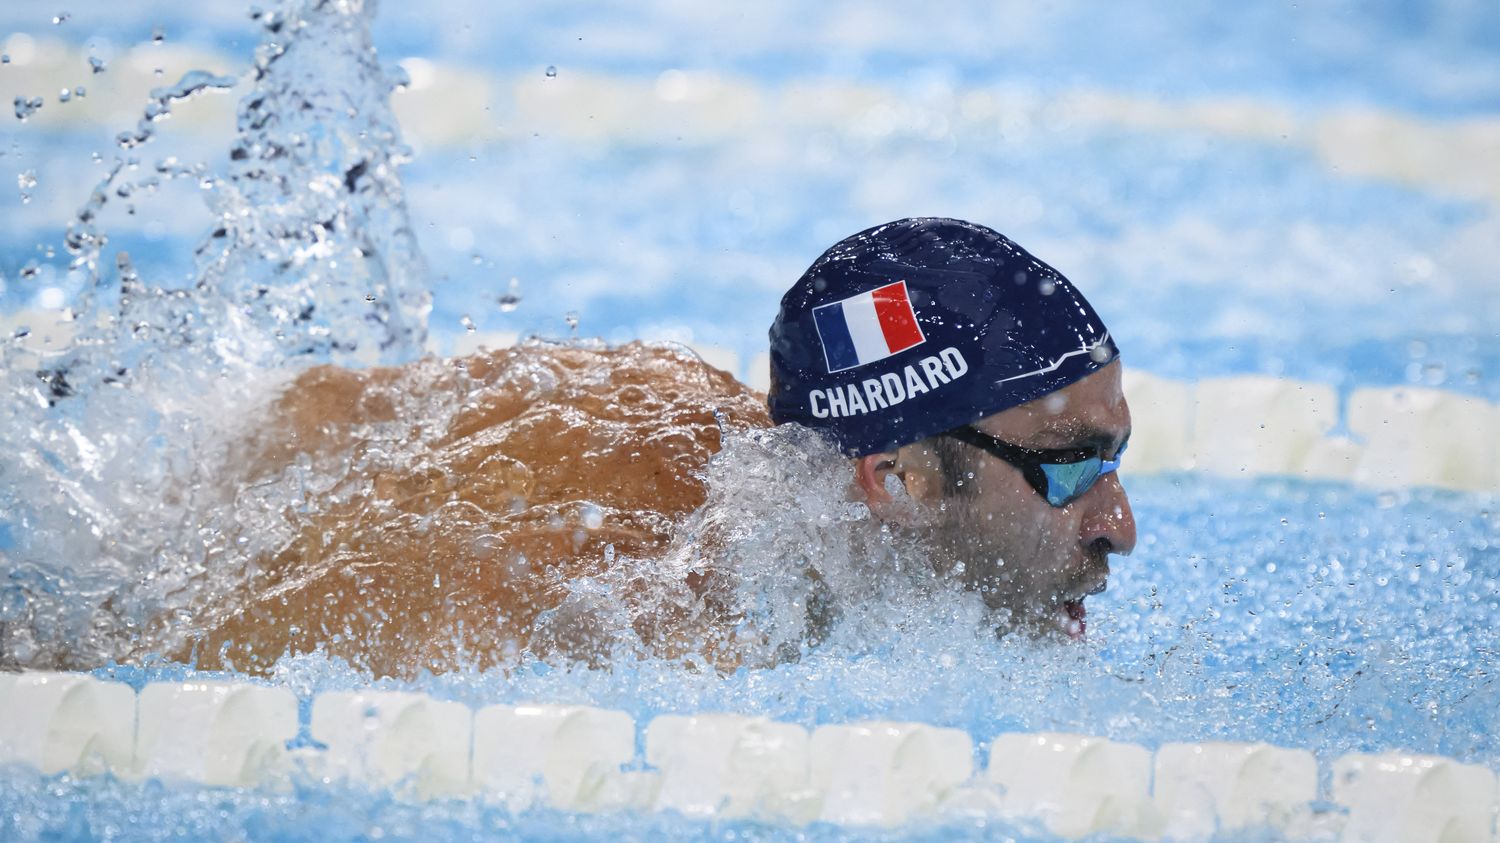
(1031, 561)
(451, 554)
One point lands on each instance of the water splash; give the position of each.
(159, 105)
(313, 234)
(106, 504)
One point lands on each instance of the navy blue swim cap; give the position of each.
(918, 326)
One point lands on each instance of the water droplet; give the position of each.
(80, 92)
(467, 323)
(27, 106)
(97, 64)
(26, 180)
(157, 36)
(64, 95)
(60, 18)
(1046, 287)
(512, 298)
(571, 317)
(369, 297)
(593, 516)
(551, 71)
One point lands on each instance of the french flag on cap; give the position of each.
(868, 327)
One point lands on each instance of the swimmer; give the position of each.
(978, 394)
(442, 513)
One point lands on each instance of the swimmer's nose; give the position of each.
(1109, 524)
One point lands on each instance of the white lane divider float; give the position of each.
(213, 733)
(886, 773)
(1203, 788)
(726, 766)
(566, 757)
(56, 722)
(730, 765)
(1075, 785)
(1414, 798)
(409, 741)
(1249, 425)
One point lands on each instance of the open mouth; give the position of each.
(1071, 619)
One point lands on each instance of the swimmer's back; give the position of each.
(456, 497)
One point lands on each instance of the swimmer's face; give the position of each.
(1027, 558)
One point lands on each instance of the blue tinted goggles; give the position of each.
(1059, 475)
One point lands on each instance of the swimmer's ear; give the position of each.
(872, 472)
(889, 489)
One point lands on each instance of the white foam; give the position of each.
(214, 733)
(728, 765)
(1077, 785)
(57, 722)
(1201, 788)
(881, 773)
(390, 738)
(567, 756)
(1416, 798)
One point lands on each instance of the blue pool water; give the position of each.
(1141, 152)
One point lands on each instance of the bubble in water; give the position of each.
(26, 179)
(551, 71)
(157, 35)
(370, 297)
(571, 317)
(593, 516)
(97, 64)
(512, 297)
(64, 95)
(79, 91)
(27, 106)
(60, 18)
(467, 323)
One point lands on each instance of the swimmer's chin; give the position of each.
(1060, 620)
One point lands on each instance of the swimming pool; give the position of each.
(1313, 300)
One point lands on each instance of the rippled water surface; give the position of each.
(1221, 185)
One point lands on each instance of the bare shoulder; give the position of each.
(459, 496)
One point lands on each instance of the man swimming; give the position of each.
(963, 373)
(550, 499)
